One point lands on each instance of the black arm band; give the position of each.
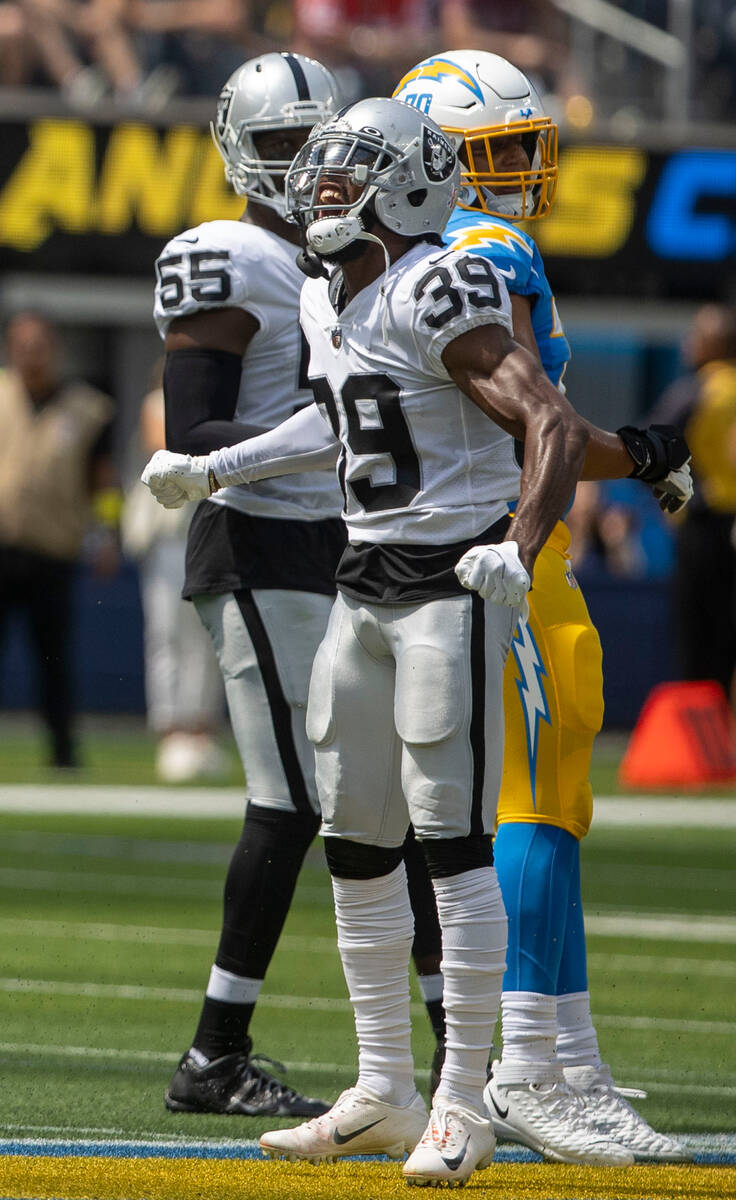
(654, 451)
(201, 389)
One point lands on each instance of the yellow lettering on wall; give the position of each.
(594, 208)
(146, 177)
(51, 187)
(213, 199)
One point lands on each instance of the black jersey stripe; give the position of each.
(478, 715)
(300, 79)
(277, 702)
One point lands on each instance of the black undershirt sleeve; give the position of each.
(201, 394)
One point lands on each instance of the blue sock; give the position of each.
(537, 867)
(573, 973)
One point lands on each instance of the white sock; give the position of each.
(473, 922)
(529, 1028)
(375, 930)
(233, 989)
(577, 1041)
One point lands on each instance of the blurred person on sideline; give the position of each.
(604, 534)
(85, 49)
(59, 501)
(17, 61)
(368, 43)
(194, 44)
(702, 404)
(184, 694)
(531, 33)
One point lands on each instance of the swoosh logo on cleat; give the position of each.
(452, 1164)
(194, 239)
(342, 1138)
(503, 1115)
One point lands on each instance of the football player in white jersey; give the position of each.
(260, 560)
(551, 1090)
(418, 380)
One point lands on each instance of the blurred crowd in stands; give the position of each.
(145, 53)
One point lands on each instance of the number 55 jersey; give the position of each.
(233, 264)
(420, 463)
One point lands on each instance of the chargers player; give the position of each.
(551, 1090)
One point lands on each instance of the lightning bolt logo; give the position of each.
(489, 234)
(531, 693)
(441, 68)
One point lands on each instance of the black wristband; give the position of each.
(654, 451)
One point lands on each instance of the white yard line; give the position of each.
(125, 991)
(151, 934)
(97, 800)
(682, 927)
(644, 1079)
(632, 811)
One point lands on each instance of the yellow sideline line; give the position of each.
(97, 1178)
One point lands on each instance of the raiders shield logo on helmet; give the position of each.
(438, 155)
(224, 100)
(336, 336)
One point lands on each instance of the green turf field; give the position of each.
(108, 926)
(120, 751)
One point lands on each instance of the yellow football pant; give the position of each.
(553, 698)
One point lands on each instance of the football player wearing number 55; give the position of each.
(260, 561)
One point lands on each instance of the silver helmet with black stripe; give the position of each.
(273, 92)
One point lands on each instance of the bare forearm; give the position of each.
(606, 457)
(554, 454)
(513, 391)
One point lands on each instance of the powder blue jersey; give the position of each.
(515, 256)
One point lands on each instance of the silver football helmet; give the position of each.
(272, 92)
(478, 98)
(399, 160)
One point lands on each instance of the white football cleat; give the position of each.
(456, 1142)
(606, 1107)
(357, 1123)
(535, 1107)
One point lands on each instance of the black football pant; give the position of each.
(40, 589)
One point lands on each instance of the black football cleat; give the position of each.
(236, 1084)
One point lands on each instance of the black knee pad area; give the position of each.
(356, 860)
(453, 856)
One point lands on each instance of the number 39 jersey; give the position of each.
(420, 463)
(232, 264)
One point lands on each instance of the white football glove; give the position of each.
(176, 478)
(495, 572)
(675, 490)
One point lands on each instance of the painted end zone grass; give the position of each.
(187, 1179)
